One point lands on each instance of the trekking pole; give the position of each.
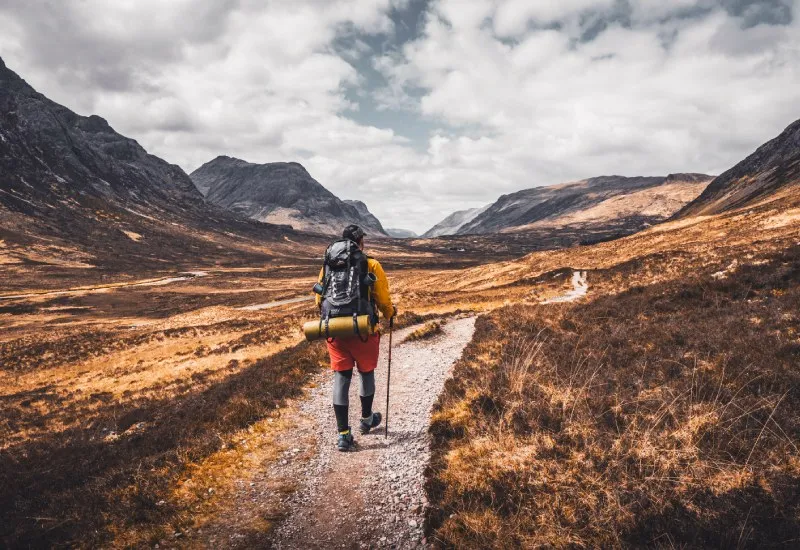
(389, 376)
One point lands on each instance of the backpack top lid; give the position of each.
(343, 251)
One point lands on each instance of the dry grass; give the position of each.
(120, 407)
(668, 415)
(425, 332)
(112, 474)
(113, 402)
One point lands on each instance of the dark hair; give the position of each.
(353, 232)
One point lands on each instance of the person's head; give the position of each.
(355, 234)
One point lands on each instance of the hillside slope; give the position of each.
(774, 165)
(74, 191)
(454, 222)
(659, 409)
(368, 218)
(605, 200)
(282, 193)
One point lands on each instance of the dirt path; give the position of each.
(161, 281)
(270, 305)
(579, 289)
(373, 496)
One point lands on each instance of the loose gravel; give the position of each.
(372, 497)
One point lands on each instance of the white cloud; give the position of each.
(519, 99)
(513, 16)
(556, 109)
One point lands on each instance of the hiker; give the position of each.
(353, 284)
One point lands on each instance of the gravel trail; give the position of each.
(579, 289)
(373, 496)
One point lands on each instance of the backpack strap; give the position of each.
(326, 270)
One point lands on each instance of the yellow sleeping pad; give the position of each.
(338, 327)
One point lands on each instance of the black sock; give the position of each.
(341, 417)
(366, 405)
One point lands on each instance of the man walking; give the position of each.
(356, 351)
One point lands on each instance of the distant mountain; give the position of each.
(71, 181)
(282, 193)
(401, 233)
(773, 166)
(454, 222)
(628, 203)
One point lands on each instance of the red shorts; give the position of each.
(347, 353)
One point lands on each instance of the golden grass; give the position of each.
(90, 487)
(425, 332)
(661, 416)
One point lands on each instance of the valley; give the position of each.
(614, 360)
(159, 393)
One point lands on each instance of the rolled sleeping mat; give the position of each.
(338, 327)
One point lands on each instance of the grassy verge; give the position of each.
(668, 415)
(425, 332)
(114, 472)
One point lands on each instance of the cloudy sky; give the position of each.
(423, 107)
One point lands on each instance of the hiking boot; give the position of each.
(346, 441)
(370, 422)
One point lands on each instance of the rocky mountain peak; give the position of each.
(73, 179)
(280, 192)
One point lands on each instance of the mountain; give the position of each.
(773, 166)
(369, 219)
(454, 222)
(401, 233)
(73, 188)
(629, 203)
(280, 192)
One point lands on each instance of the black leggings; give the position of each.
(341, 395)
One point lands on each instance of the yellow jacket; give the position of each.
(380, 290)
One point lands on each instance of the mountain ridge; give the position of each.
(452, 223)
(772, 166)
(635, 202)
(280, 192)
(70, 185)
(542, 204)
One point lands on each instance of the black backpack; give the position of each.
(346, 281)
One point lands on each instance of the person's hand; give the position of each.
(394, 313)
